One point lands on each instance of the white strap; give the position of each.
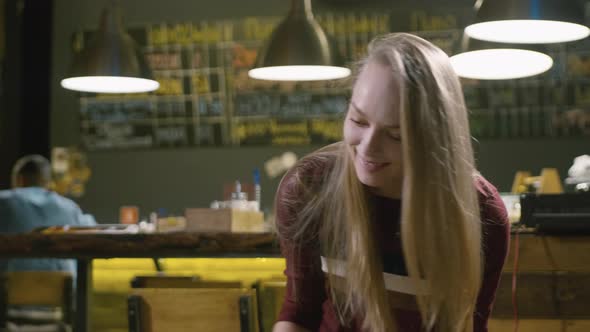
(393, 282)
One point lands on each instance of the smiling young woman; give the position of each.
(393, 229)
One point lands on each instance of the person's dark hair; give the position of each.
(31, 171)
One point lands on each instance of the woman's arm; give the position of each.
(305, 292)
(496, 237)
(288, 327)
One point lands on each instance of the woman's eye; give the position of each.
(358, 122)
(395, 137)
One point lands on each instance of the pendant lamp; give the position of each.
(490, 61)
(299, 50)
(111, 63)
(528, 21)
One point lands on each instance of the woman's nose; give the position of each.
(371, 143)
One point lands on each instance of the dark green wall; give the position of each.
(172, 179)
(179, 178)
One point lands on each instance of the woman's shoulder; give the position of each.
(485, 189)
(490, 201)
(309, 172)
(496, 226)
(296, 201)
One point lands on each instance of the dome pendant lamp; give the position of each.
(500, 64)
(483, 60)
(528, 21)
(111, 63)
(299, 50)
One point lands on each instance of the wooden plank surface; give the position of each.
(539, 325)
(536, 252)
(37, 287)
(549, 253)
(139, 245)
(173, 309)
(551, 294)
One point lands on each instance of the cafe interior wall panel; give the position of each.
(203, 128)
(499, 159)
(173, 179)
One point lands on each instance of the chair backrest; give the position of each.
(271, 294)
(192, 309)
(49, 288)
(158, 281)
(33, 289)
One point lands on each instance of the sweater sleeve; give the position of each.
(305, 291)
(496, 238)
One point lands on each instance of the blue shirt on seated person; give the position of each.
(30, 205)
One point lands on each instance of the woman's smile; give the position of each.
(370, 165)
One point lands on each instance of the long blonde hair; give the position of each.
(440, 220)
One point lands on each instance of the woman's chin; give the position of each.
(369, 180)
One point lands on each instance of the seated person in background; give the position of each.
(30, 205)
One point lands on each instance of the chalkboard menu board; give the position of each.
(207, 99)
(554, 104)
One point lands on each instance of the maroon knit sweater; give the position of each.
(314, 309)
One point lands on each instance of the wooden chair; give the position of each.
(271, 294)
(192, 309)
(34, 289)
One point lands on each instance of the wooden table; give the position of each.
(86, 247)
(536, 253)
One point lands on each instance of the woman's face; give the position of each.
(372, 130)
